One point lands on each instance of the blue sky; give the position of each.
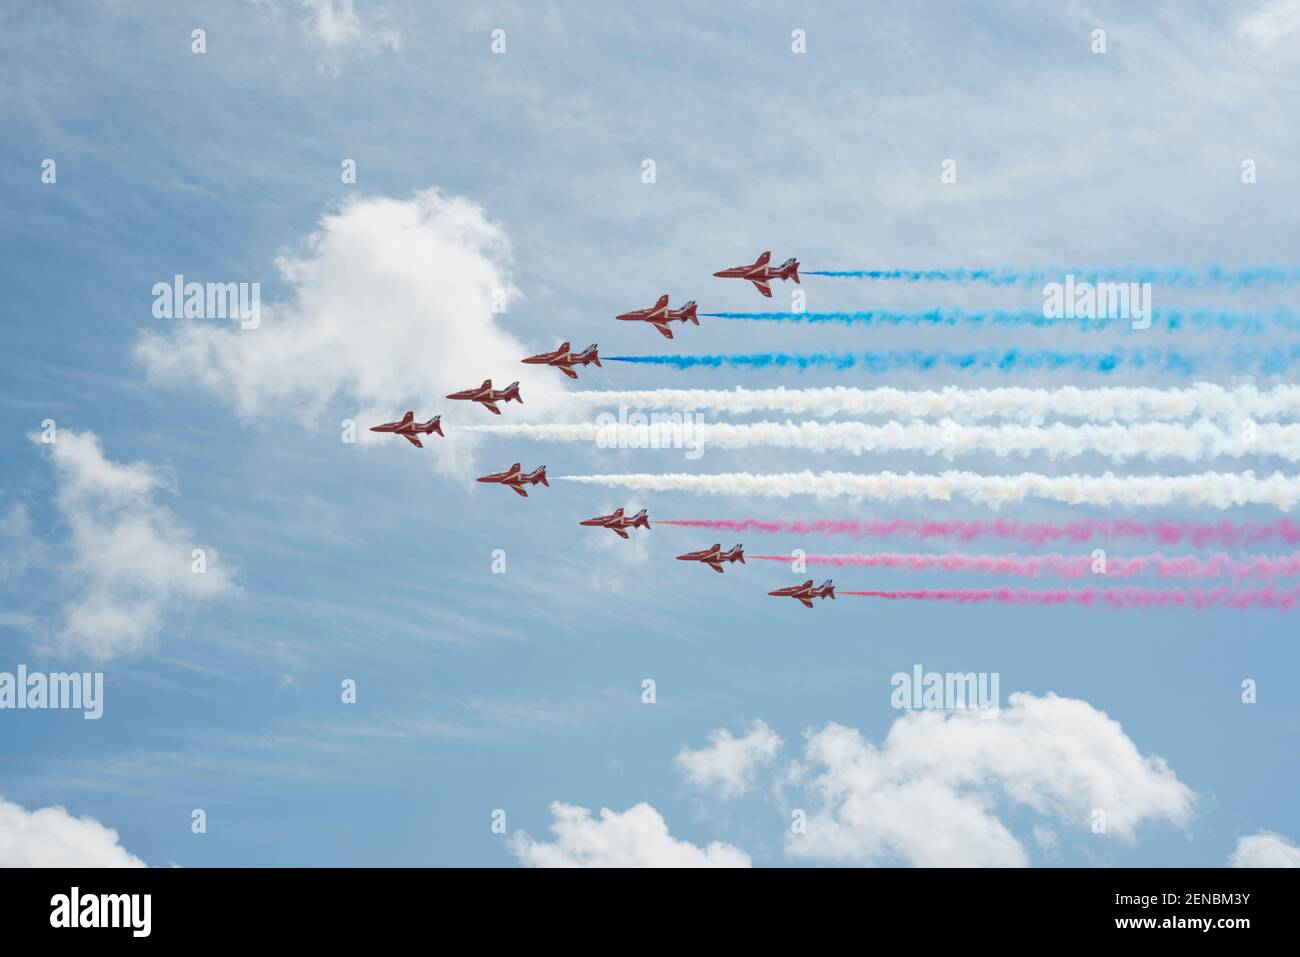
(372, 561)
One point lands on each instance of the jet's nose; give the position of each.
(719, 274)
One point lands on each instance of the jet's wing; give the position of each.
(618, 531)
(660, 307)
(762, 286)
(520, 490)
(567, 371)
(806, 602)
(762, 260)
(490, 406)
(406, 419)
(412, 439)
(667, 333)
(714, 565)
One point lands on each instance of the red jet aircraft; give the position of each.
(806, 592)
(488, 396)
(565, 359)
(410, 430)
(714, 556)
(516, 480)
(760, 273)
(659, 315)
(616, 522)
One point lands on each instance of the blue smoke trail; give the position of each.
(1171, 319)
(1269, 362)
(1246, 278)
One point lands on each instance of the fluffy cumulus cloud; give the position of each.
(132, 559)
(929, 795)
(51, 837)
(638, 837)
(393, 305)
(728, 766)
(1265, 849)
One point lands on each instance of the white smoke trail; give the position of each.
(1122, 404)
(1154, 441)
(1212, 489)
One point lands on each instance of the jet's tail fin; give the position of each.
(435, 425)
(739, 551)
(828, 588)
(791, 269)
(688, 312)
(540, 476)
(512, 392)
(595, 356)
(641, 519)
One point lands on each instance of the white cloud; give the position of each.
(51, 837)
(1045, 838)
(928, 796)
(335, 29)
(728, 766)
(638, 837)
(131, 556)
(1265, 849)
(19, 543)
(1270, 22)
(391, 309)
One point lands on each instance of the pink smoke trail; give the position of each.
(1102, 597)
(1225, 534)
(1066, 566)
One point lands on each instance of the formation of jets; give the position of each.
(806, 592)
(411, 430)
(516, 479)
(659, 315)
(714, 556)
(760, 272)
(488, 397)
(618, 523)
(565, 359)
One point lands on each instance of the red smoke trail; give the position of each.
(1102, 597)
(1227, 534)
(1066, 566)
